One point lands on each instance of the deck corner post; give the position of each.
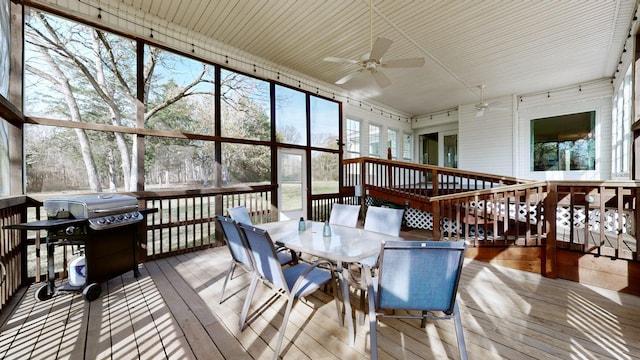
(549, 261)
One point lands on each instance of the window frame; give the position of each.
(392, 141)
(348, 136)
(378, 140)
(570, 141)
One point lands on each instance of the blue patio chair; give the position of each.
(417, 276)
(345, 215)
(239, 250)
(240, 214)
(295, 281)
(383, 220)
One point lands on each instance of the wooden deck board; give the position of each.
(173, 311)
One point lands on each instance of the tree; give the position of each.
(94, 71)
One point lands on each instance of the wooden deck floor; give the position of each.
(172, 311)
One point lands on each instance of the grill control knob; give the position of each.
(70, 230)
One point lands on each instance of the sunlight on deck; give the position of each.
(173, 311)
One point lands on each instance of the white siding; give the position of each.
(485, 143)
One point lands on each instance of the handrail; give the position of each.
(486, 192)
(416, 166)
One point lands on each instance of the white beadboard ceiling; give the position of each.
(511, 46)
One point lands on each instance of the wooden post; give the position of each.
(16, 152)
(548, 262)
(437, 234)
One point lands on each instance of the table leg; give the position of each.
(347, 304)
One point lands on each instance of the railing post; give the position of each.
(549, 260)
(363, 185)
(437, 233)
(434, 182)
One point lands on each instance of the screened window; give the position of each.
(244, 164)
(96, 68)
(563, 143)
(374, 141)
(352, 142)
(291, 116)
(105, 93)
(98, 71)
(56, 159)
(392, 139)
(181, 93)
(324, 172)
(621, 128)
(245, 103)
(172, 163)
(325, 121)
(407, 146)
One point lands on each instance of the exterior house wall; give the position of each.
(499, 141)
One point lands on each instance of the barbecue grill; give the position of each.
(105, 225)
(102, 211)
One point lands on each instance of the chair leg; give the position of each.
(283, 327)
(247, 302)
(459, 334)
(373, 335)
(335, 283)
(232, 267)
(362, 313)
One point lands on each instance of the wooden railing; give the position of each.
(13, 255)
(508, 215)
(599, 218)
(403, 182)
(185, 220)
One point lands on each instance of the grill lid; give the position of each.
(102, 210)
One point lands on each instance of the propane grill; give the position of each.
(102, 211)
(105, 225)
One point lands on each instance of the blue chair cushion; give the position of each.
(312, 282)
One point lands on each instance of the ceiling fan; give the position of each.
(373, 62)
(483, 106)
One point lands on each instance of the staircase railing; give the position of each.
(598, 218)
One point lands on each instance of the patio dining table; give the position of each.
(344, 246)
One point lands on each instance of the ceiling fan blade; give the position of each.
(348, 77)
(340, 60)
(498, 105)
(404, 63)
(381, 79)
(380, 47)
